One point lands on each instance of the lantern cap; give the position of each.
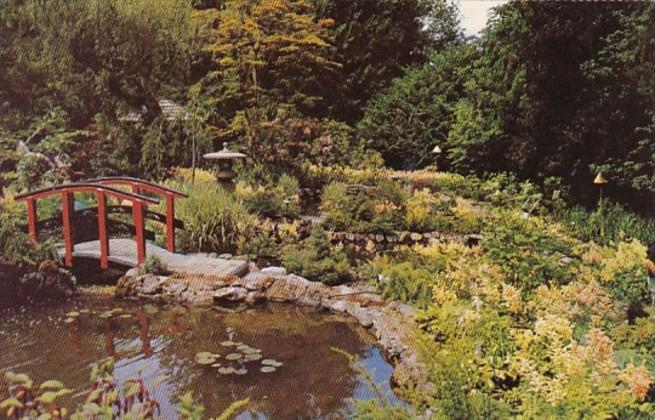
(224, 154)
(600, 179)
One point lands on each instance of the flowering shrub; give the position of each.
(530, 252)
(531, 324)
(621, 269)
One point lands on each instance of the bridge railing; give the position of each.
(138, 186)
(102, 189)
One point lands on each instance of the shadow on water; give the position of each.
(159, 344)
(88, 272)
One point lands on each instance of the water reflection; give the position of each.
(159, 345)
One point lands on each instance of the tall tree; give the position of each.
(407, 120)
(560, 87)
(377, 39)
(270, 60)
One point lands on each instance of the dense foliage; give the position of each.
(106, 398)
(533, 294)
(407, 120)
(531, 322)
(512, 101)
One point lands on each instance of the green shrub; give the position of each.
(640, 335)
(610, 222)
(15, 246)
(529, 252)
(214, 221)
(374, 410)
(154, 265)
(403, 281)
(364, 209)
(259, 242)
(420, 211)
(317, 260)
(280, 198)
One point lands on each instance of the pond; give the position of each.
(279, 356)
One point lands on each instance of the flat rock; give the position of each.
(274, 271)
(175, 288)
(230, 294)
(151, 285)
(414, 236)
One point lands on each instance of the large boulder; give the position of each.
(296, 289)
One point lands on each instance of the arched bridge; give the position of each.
(139, 198)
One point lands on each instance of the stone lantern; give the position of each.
(436, 152)
(225, 160)
(600, 181)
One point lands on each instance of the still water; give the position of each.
(160, 345)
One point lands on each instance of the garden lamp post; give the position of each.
(600, 181)
(436, 152)
(225, 161)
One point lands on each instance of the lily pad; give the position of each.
(69, 320)
(226, 370)
(252, 357)
(267, 369)
(241, 371)
(228, 343)
(73, 314)
(234, 356)
(216, 365)
(270, 362)
(205, 358)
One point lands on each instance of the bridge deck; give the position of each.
(124, 252)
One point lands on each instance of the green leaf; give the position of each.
(10, 402)
(47, 398)
(63, 392)
(18, 378)
(52, 385)
(94, 395)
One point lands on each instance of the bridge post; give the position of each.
(170, 222)
(139, 227)
(101, 198)
(67, 206)
(31, 219)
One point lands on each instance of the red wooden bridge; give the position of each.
(139, 196)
